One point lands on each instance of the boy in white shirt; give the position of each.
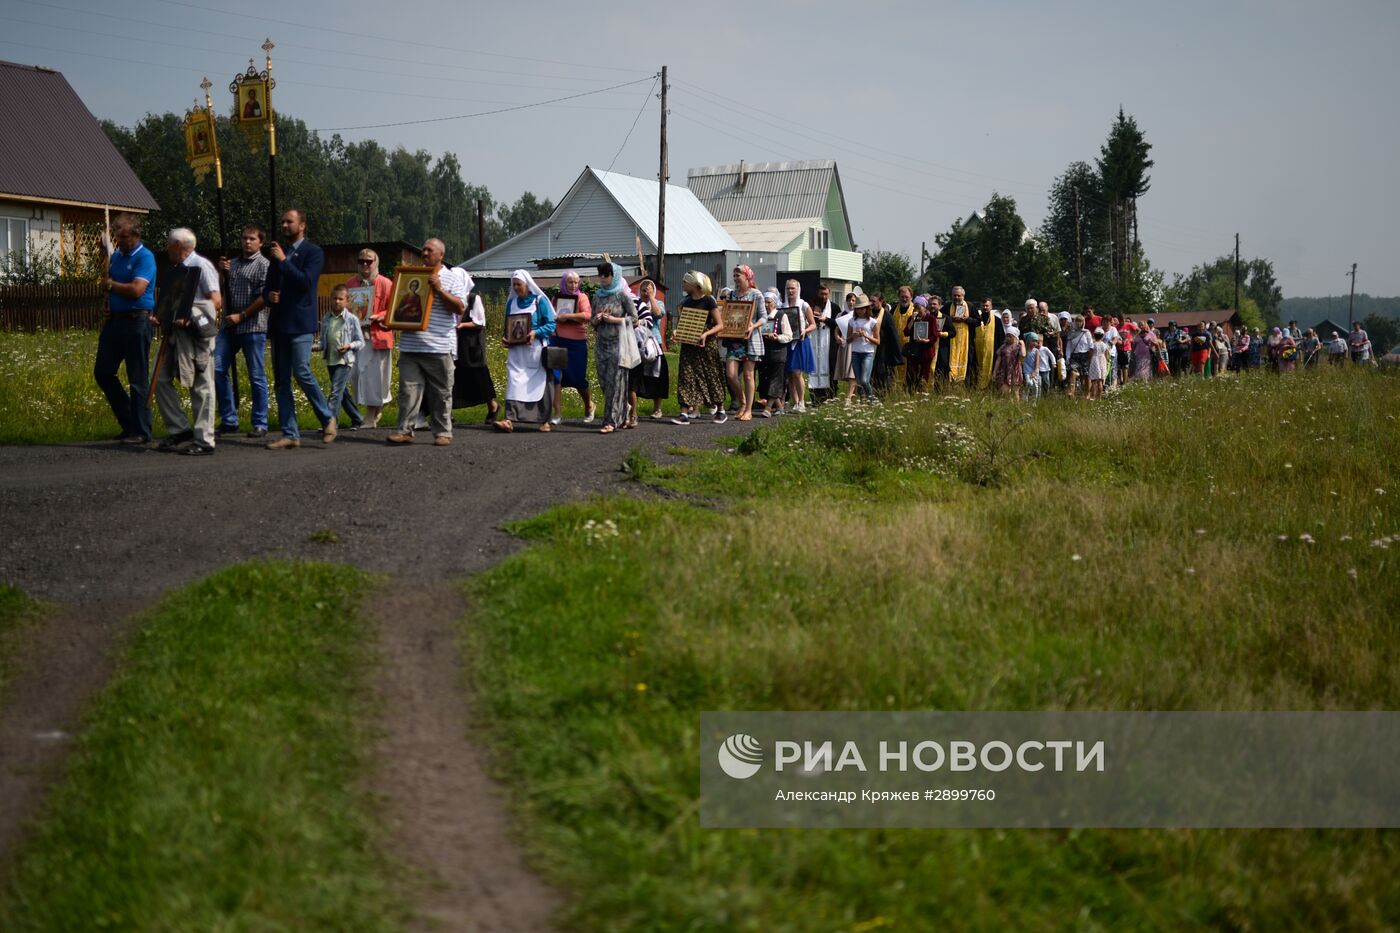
(1039, 362)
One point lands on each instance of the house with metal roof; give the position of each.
(612, 213)
(60, 176)
(795, 208)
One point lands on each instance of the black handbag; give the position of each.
(555, 358)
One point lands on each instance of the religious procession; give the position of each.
(742, 352)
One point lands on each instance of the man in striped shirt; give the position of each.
(244, 330)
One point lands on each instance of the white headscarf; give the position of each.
(520, 275)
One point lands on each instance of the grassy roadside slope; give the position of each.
(215, 786)
(1194, 546)
(17, 612)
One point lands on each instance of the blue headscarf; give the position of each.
(619, 284)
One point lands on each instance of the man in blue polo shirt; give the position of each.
(290, 293)
(126, 336)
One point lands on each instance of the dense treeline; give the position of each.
(1087, 251)
(412, 194)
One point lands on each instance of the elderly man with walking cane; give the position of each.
(189, 332)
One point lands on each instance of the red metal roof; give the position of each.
(54, 148)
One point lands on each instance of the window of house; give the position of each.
(14, 238)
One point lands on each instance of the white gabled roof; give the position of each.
(690, 228)
(603, 212)
(771, 236)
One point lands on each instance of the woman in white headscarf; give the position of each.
(614, 321)
(528, 394)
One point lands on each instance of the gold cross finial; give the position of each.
(268, 46)
(205, 85)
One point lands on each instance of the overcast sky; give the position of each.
(1272, 118)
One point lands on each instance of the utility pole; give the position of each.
(1237, 273)
(1351, 302)
(480, 227)
(369, 221)
(661, 199)
(923, 256)
(1078, 248)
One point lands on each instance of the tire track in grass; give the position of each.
(216, 784)
(447, 818)
(56, 669)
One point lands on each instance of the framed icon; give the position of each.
(362, 301)
(691, 325)
(518, 327)
(410, 303)
(736, 316)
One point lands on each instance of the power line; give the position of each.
(635, 120)
(904, 190)
(862, 177)
(1023, 185)
(322, 28)
(484, 113)
(224, 34)
(283, 60)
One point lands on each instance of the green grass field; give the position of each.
(1221, 545)
(60, 403)
(218, 782)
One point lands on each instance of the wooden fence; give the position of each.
(67, 306)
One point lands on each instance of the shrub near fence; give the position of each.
(64, 306)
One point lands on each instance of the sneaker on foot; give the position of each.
(590, 415)
(721, 417)
(681, 419)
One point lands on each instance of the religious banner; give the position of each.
(201, 147)
(252, 102)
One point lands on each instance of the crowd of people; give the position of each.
(791, 352)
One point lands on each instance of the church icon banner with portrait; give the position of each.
(201, 147)
(252, 102)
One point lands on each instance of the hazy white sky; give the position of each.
(1277, 120)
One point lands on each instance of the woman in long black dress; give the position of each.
(471, 383)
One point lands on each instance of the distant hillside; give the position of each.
(1311, 310)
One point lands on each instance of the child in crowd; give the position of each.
(1098, 364)
(1008, 372)
(863, 339)
(1037, 367)
(341, 337)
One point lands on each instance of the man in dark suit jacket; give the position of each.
(290, 293)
